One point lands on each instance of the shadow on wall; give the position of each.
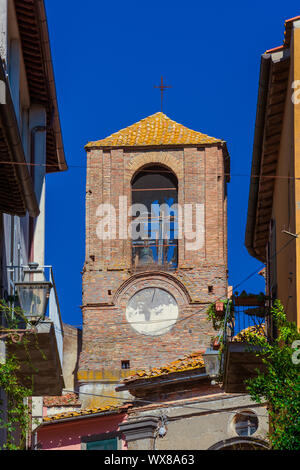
(72, 350)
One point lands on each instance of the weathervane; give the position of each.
(162, 89)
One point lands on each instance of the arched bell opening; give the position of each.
(154, 219)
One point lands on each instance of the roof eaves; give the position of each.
(78, 415)
(90, 146)
(13, 138)
(257, 152)
(61, 160)
(33, 28)
(270, 64)
(163, 379)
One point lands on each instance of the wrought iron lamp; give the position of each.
(33, 292)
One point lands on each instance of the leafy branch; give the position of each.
(279, 384)
(15, 415)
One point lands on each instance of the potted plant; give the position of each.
(219, 308)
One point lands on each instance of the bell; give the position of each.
(146, 255)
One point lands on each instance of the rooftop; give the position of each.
(189, 362)
(69, 399)
(81, 413)
(288, 25)
(157, 129)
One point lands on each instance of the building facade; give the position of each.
(146, 287)
(178, 406)
(30, 148)
(273, 222)
(174, 407)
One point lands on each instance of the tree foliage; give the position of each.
(279, 383)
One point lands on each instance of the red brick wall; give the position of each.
(108, 282)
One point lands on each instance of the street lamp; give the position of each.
(212, 362)
(33, 292)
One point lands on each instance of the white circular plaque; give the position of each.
(152, 311)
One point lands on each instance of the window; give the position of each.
(108, 444)
(154, 219)
(104, 441)
(246, 423)
(125, 364)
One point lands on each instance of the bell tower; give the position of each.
(156, 250)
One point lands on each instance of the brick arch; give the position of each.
(159, 279)
(139, 161)
(241, 443)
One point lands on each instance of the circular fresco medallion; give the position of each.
(152, 311)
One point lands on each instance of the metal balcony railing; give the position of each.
(245, 315)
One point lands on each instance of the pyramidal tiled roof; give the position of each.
(156, 129)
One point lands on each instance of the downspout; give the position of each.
(257, 152)
(34, 131)
(35, 441)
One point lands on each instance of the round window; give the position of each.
(245, 423)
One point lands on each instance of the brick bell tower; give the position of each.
(156, 250)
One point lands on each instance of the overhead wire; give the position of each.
(202, 310)
(149, 402)
(161, 171)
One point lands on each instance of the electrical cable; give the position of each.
(204, 308)
(98, 166)
(149, 402)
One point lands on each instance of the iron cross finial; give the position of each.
(162, 89)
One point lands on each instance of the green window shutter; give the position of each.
(109, 444)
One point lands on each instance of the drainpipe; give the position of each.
(34, 131)
(35, 441)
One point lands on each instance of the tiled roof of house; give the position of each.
(189, 362)
(74, 414)
(70, 399)
(156, 129)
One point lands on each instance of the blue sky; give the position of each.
(107, 58)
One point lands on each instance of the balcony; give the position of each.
(239, 359)
(39, 348)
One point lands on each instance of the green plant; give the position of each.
(217, 320)
(279, 384)
(15, 418)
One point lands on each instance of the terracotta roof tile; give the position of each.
(189, 362)
(86, 412)
(70, 399)
(156, 129)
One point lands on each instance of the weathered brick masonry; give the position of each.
(108, 279)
